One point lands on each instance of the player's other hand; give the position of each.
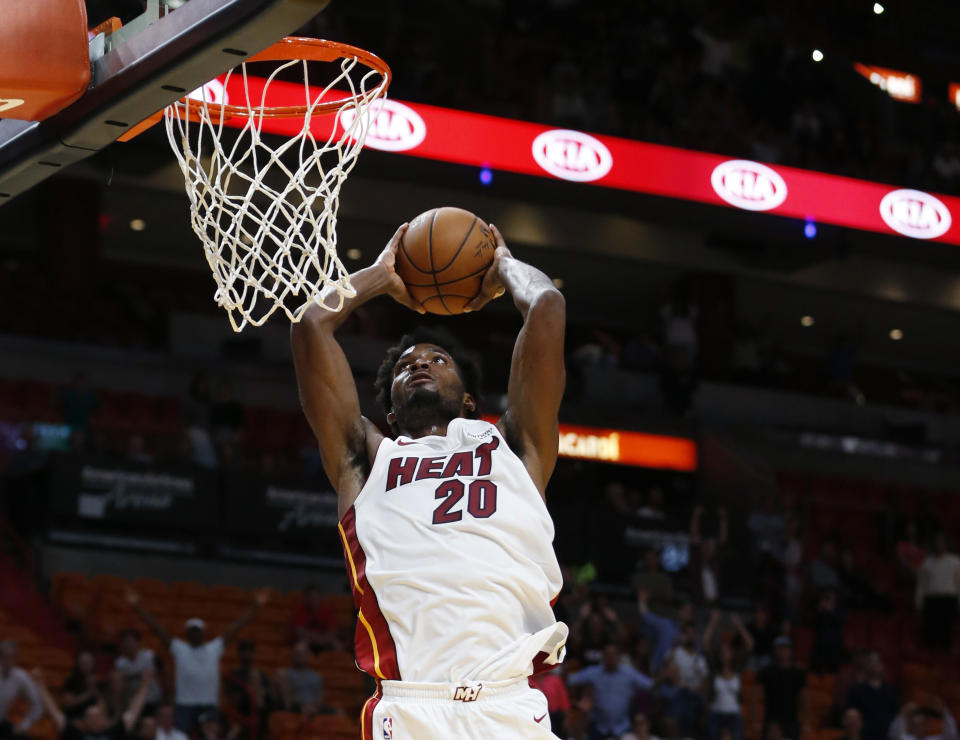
(492, 286)
(387, 261)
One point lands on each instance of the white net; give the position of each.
(266, 211)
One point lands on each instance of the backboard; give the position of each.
(158, 56)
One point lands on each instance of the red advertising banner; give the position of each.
(536, 149)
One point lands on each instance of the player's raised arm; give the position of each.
(328, 393)
(537, 375)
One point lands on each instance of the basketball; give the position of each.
(443, 257)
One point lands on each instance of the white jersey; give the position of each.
(449, 551)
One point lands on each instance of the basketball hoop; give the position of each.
(267, 213)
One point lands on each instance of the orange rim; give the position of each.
(288, 49)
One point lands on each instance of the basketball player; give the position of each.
(445, 530)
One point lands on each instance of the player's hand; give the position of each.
(492, 286)
(388, 262)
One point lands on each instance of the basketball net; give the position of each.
(266, 211)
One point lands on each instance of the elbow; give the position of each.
(550, 305)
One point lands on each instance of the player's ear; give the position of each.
(391, 418)
(469, 402)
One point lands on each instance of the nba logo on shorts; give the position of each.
(388, 728)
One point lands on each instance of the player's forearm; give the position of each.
(526, 284)
(369, 283)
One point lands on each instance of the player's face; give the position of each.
(425, 375)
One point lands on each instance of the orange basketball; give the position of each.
(443, 257)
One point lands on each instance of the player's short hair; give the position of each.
(467, 365)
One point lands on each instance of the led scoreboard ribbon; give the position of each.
(534, 149)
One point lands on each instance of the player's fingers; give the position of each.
(498, 236)
(398, 235)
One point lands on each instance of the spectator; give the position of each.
(725, 712)
(823, 571)
(763, 634)
(663, 631)
(77, 404)
(196, 660)
(828, 650)
(614, 687)
(165, 727)
(314, 622)
(692, 672)
(640, 729)
(791, 561)
(705, 558)
(652, 579)
(875, 699)
(81, 688)
(640, 657)
(14, 684)
(137, 450)
(210, 726)
(95, 723)
(301, 687)
(131, 664)
(653, 510)
(852, 725)
(247, 691)
(911, 723)
(938, 589)
(598, 626)
(909, 552)
(558, 700)
(858, 588)
(782, 690)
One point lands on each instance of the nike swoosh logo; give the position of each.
(539, 719)
(401, 442)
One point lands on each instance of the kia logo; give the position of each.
(748, 185)
(395, 127)
(571, 155)
(211, 92)
(915, 213)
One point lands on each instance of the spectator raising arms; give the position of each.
(614, 687)
(196, 660)
(130, 666)
(95, 723)
(705, 557)
(725, 712)
(15, 683)
(911, 723)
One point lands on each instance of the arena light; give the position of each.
(817, 55)
(810, 229)
(898, 85)
(354, 254)
(504, 144)
(896, 335)
(878, 8)
(486, 176)
(138, 224)
(807, 321)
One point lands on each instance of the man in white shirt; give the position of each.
(911, 723)
(938, 591)
(14, 682)
(693, 672)
(131, 664)
(196, 660)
